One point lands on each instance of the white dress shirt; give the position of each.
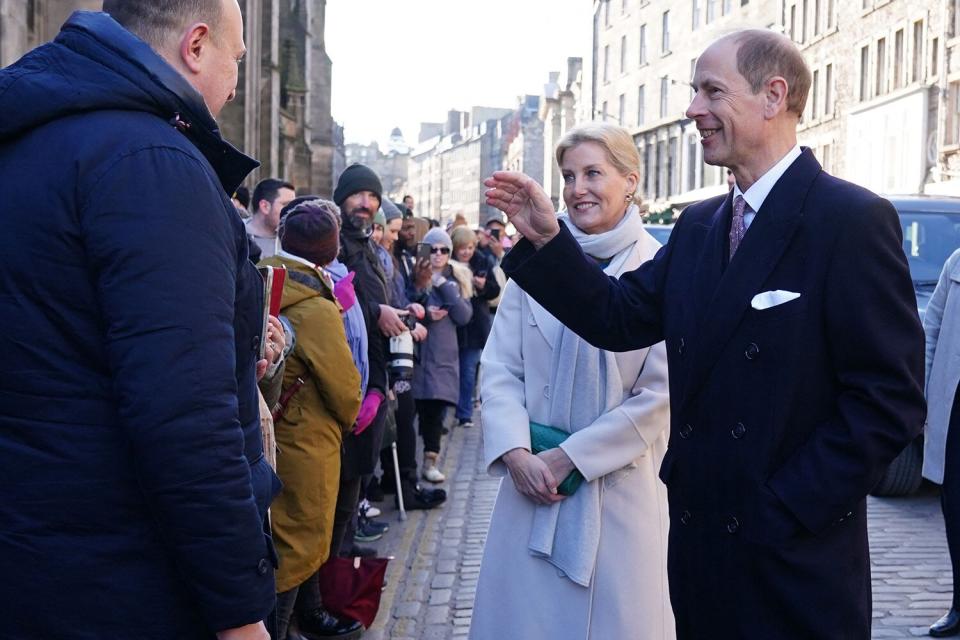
(759, 190)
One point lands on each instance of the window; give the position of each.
(692, 145)
(898, 59)
(828, 90)
(953, 104)
(604, 114)
(864, 73)
(711, 10)
(727, 7)
(826, 158)
(641, 105)
(815, 96)
(693, 72)
(881, 86)
(803, 21)
(665, 32)
(816, 17)
(623, 54)
(624, 5)
(657, 183)
(606, 13)
(643, 44)
(865, 4)
(664, 87)
(793, 23)
(671, 167)
(935, 57)
(651, 169)
(621, 120)
(955, 23)
(606, 63)
(917, 70)
(831, 14)
(695, 15)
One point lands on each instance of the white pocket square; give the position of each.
(769, 299)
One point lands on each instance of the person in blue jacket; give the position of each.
(133, 485)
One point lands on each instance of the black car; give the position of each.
(931, 233)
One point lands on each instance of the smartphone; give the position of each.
(482, 273)
(423, 251)
(495, 233)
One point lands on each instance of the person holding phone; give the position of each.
(446, 297)
(592, 564)
(473, 335)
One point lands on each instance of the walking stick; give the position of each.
(396, 475)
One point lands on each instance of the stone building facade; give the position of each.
(644, 53)
(882, 110)
(561, 98)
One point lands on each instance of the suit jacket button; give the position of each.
(255, 343)
(686, 431)
(263, 566)
(752, 351)
(685, 517)
(738, 431)
(546, 391)
(733, 525)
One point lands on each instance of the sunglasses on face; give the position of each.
(443, 250)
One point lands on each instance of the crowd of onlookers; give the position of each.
(384, 315)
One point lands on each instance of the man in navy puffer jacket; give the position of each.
(133, 488)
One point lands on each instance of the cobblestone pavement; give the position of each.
(432, 580)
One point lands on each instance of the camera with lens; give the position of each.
(400, 361)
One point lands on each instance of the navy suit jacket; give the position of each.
(782, 419)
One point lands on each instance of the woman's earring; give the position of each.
(629, 197)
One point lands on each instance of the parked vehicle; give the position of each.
(931, 232)
(659, 231)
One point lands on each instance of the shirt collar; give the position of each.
(760, 189)
(289, 256)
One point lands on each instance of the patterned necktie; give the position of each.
(737, 227)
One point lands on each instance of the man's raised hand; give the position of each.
(526, 204)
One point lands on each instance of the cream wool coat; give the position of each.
(521, 597)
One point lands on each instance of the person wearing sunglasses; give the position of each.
(436, 381)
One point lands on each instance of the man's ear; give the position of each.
(775, 97)
(192, 44)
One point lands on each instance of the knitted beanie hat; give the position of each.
(354, 179)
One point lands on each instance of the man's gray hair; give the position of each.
(156, 21)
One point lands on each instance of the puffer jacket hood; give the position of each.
(95, 64)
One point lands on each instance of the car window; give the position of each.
(660, 232)
(928, 240)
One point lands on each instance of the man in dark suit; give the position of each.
(795, 350)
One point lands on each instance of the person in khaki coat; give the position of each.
(592, 565)
(310, 431)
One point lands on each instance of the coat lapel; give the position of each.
(759, 252)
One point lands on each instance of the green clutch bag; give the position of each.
(542, 438)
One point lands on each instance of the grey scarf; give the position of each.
(586, 384)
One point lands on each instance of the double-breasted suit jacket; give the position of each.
(783, 418)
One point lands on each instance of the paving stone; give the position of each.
(407, 610)
(440, 596)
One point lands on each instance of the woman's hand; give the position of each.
(436, 313)
(558, 462)
(526, 204)
(417, 310)
(419, 332)
(479, 282)
(276, 340)
(422, 273)
(531, 476)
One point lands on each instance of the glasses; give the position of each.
(443, 250)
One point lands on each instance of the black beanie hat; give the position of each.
(354, 178)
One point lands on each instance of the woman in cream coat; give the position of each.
(941, 450)
(591, 565)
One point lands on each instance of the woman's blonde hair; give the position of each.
(462, 236)
(616, 141)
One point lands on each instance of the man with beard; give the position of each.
(358, 194)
